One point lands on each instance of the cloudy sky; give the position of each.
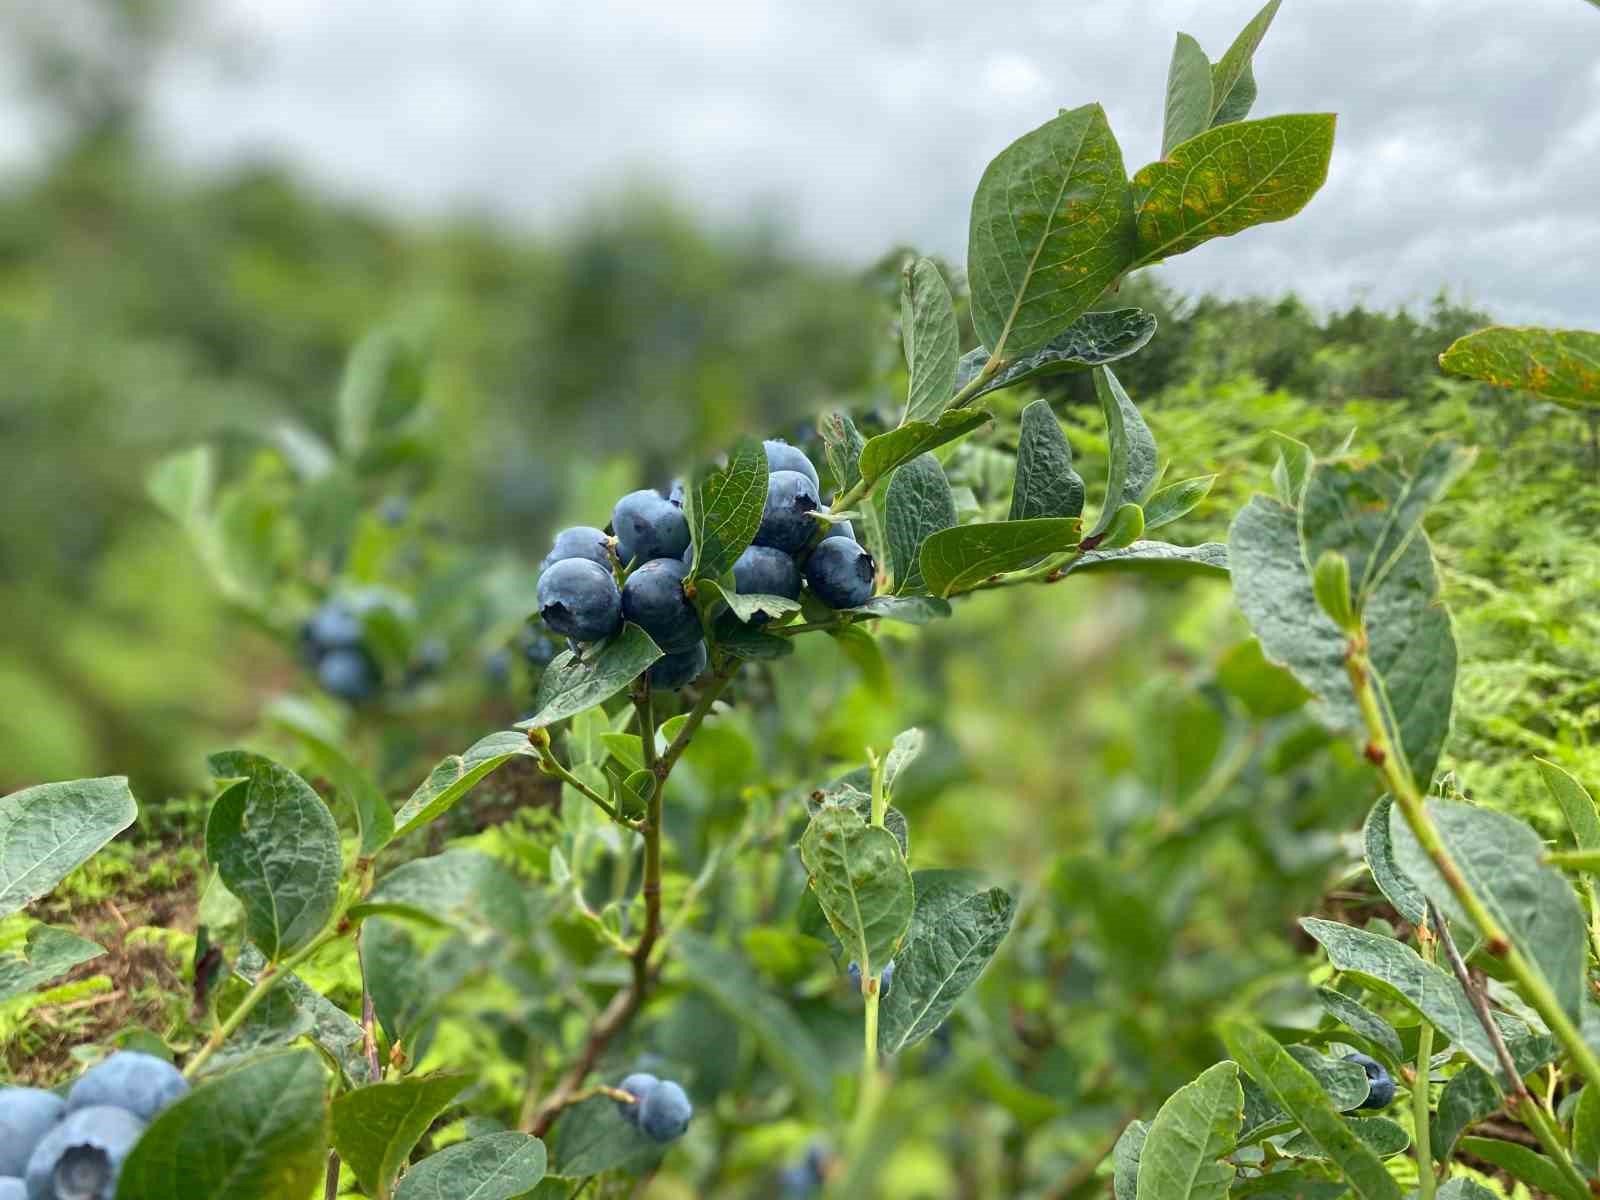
(1468, 151)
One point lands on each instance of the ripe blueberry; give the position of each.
(841, 573)
(81, 1158)
(664, 1113)
(333, 626)
(648, 526)
(26, 1115)
(581, 541)
(638, 1085)
(579, 599)
(781, 456)
(1380, 1085)
(141, 1083)
(673, 671)
(348, 673)
(786, 522)
(539, 648)
(654, 600)
(763, 571)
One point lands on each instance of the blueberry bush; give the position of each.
(688, 961)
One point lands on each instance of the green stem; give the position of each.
(1532, 1115)
(806, 627)
(551, 765)
(990, 369)
(880, 802)
(1427, 1182)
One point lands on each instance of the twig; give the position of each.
(330, 1189)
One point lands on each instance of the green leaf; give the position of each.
(1292, 469)
(1288, 1185)
(1583, 818)
(1093, 340)
(456, 889)
(724, 508)
(1051, 229)
(1233, 83)
(1189, 107)
(958, 559)
(1295, 1090)
(1125, 1160)
(882, 454)
(1559, 364)
(1469, 1096)
(1229, 179)
(862, 882)
(843, 443)
(594, 1137)
(48, 831)
(1529, 1166)
(750, 606)
(49, 954)
(785, 1042)
(908, 610)
(1176, 500)
(1191, 1135)
(276, 847)
(181, 485)
(746, 641)
(1265, 689)
(1155, 560)
(1499, 857)
(1124, 528)
(1380, 1135)
(496, 1166)
(320, 736)
(571, 684)
(331, 1028)
(260, 1130)
(917, 504)
(1363, 1021)
(953, 935)
(843, 791)
(906, 750)
(1396, 886)
(1586, 1131)
(1343, 1083)
(930, 337)
(375, 1128)
(1046, 484)
(1462, 1188)
(457, 775)
(381, 388)
(1133, 465)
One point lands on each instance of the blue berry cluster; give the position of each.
(73, 1149)
(1380, 1084)
(334, 642)
(649, 549)
(660, 1108)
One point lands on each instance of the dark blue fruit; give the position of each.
(783, 457)
(648, 526)
(12, 1188)
(539, 648)
(763, 571)
(141, 1083)
(349, 674)
(1380, 1084)
(654, 600)
(81, 1158)
(841, 573)
(843, 529)
(796, 1182)
(673, 671)
(26, 1115)
(638, 1085)
(581, 541)
(664, 1114)
(579, 599)
(786, 522)
(884, 979)
(332, 627)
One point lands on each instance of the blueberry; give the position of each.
(141, 1083)
(539, 648)
(639, 1085)
(1380, 1085)
(843, 529)
(884, 979)
(81, 1158)
(673, 671)
(12, 1188)
(653, 599)
(796, 1182)
(687, 557)
(579, 599)
(841, 573)
(26, 1115)
(581, 541)
(648, 526)
(786, 522)
(783, 457)
(497, 668)
(761, 570)
(664, 1113)
(334, 626)
(348, 674)
(394, 511)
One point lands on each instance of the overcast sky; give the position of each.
(1468, 149)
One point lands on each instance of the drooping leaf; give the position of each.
(1046, 484)
(276, 847)
(260, 1130)
(1228, 179)
(751, 606)
(48, 954)
(1183, 1154)
(1393, 882)
(1189, 106)
(496, 1166)
(1499, 857)
(1363, 1021)
(843, 443)
(1156, 560)
(1233, 83)
(1295, 1090)
(457, 775)
(1051, 229)
(1527, 1165)
(1125, 1160)
(1469, 1096)
(455, 889)
(1343, 1084)
(570, 684)
(950, 942)
(1380, 1135)
(958, 559)
(930, 337)
(917, 504)
(1176, 501)
(724, 508)
(862, 882)
(375, 1128)
(1132, 450)
(1559, 364)
(1093, 340)
(47, 831)
(882, 454)
(909, 610)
